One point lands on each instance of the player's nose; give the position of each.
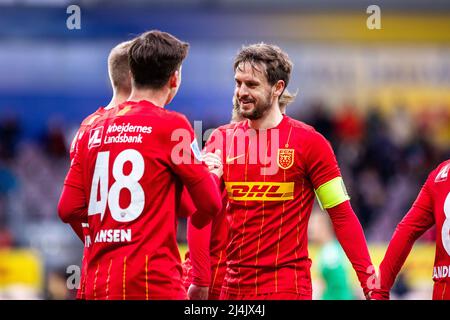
(242, 92)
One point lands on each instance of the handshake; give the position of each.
(214, 162)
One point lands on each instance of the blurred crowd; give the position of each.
(384, 156)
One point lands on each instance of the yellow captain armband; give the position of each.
(332, 193)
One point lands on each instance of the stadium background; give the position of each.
(380, 96)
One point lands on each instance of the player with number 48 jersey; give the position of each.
(128, 173)
(119, 74)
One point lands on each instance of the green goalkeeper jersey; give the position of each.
(332, 265)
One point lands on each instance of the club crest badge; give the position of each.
(285, 158)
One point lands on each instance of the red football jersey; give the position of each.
(432, 207)
(271, 177)
(83, 127)
(83, 228)
(131, 167)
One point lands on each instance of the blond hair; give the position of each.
(118, 67)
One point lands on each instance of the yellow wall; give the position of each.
(22, 267)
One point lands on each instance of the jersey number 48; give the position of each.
(122, 181)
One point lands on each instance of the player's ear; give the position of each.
(279, 88)
(174, 79)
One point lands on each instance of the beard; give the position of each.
(260, 108)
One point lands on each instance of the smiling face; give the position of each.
(253, 92)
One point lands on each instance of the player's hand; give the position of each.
(198, 293)
(214, 162)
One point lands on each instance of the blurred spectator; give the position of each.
(57, 286)
(348, 125)
(400, 288)
(9, 136)
(54, 140)
(7, 184)
(320, 119)
(401, 126)
(6, 239)
(370, 195)
(380, 151)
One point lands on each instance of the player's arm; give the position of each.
(199, 243)
(185, 161)
(186, 207)
(72, 206)
(326, 178)
(418, 220)
(350, 235)
(199, 252)
(199, 240)
(77, 226)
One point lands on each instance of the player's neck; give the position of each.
(271, 119)
(118, 98)
(157, 97)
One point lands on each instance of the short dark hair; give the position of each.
(154, 57)
(277, 64)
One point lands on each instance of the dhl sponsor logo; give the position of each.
(260, 191)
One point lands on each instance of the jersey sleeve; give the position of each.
(187, 207)
(81, 130)
(199, 251)
(185, 161)
(77, 225)
(199, 240)
(323, 172)
(418, 220)
(350, 235)
(72, 206)
(73, 145)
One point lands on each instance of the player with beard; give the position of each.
(207, 246)
(273, 167)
